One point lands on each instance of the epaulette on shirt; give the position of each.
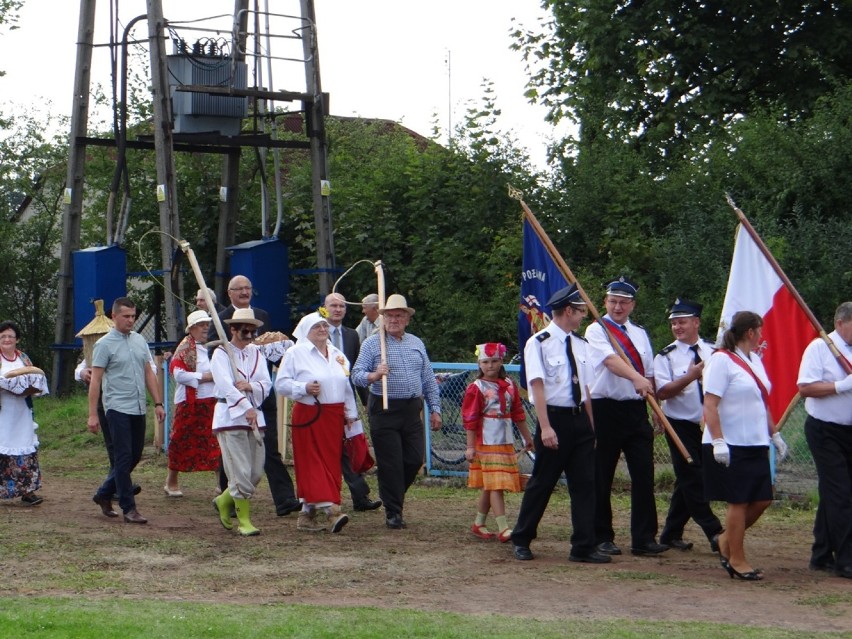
(637, 326)
(668, 349)
(578, 336)
(542, 336)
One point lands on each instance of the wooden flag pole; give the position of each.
(571, 279)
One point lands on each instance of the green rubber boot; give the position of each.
(223, 505)
(246, 528)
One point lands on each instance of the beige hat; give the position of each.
(244, 316)
(396, 302)
(196, 317)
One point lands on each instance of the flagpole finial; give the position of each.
(730, 200)
(515, 194)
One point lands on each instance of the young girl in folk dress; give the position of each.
(491, 403)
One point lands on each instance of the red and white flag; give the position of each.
(755, 286)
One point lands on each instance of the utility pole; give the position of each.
(63, 364)
(315, 116)
(164, 148)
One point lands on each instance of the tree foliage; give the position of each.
(658, 72)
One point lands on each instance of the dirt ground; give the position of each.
(66, 547)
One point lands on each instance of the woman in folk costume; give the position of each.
(192, 443)
(491, 404)
(20, 475)
(242, 383)
(316, 374)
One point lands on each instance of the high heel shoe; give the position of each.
(752, 575)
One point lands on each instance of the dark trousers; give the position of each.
(358, 487)
(623, 426)
(575, 457)
(831, 447)
(400, 443)
(688, 495)
(102, 420)
(128, 440)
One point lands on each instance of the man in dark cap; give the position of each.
(677, 373)
(558, 371)
(621, 420)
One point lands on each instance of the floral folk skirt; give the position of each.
(19, 475)
(192, 443)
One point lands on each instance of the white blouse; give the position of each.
(304, 364)
(742, 412)
(186, 378)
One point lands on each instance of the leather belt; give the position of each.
(571, 410)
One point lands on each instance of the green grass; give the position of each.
(109, 618)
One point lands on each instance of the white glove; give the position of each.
(780, 448)
(721, 452)
(844, 385)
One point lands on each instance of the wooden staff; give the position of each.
(383, 340)
(569, 276)
(220, 331)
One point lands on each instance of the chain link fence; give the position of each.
(795, 477)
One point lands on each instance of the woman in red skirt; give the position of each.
(192, 444)
(316, 374)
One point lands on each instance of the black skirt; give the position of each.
(747, 479)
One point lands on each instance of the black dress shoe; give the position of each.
(363, 506)
(522, 553)
(827, 566)
(395, 522)
(133, 517)
(824, 567)
(651, 548)
(289, 506)
(593, 557)
(844, 571)
(608, 548)
(106, 506)
(678, 544)
(714, 542)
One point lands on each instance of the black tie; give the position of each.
(575, 376)
(697, 359)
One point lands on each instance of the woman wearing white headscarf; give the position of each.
(316, 375)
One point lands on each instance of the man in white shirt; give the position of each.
(827, 387)
(621, 420)
(677, 373)
(558, 372)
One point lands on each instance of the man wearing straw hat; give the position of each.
(397, 433)
(242, 383)
(116, 361)
(280, 484)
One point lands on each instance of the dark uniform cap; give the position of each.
(683, 307)
(570, 295)
(622, 287)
